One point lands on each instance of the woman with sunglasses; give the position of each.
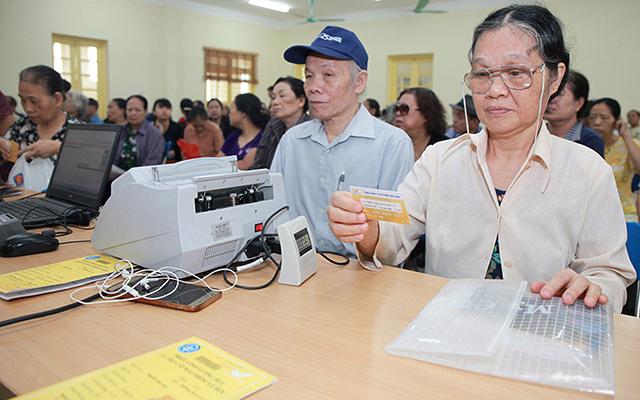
(420, 114)
(513, 201)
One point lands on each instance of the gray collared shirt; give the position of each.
(369, 153)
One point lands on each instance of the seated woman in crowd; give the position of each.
(140, 143)
(621, 150)
(420, 114)
(562, 114)
(116, 110)
(289, 108)
(204, 133)
(39, 133)
(215, 112)
(75, 104)
(513, 201)
(373, 107)
(171, 131)
(250, 119)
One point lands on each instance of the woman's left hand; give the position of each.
(571, 286)
(623, 128)
(41, 149)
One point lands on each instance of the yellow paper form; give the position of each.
(190, 369)
(58, 276)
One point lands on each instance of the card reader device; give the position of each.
(298, 252)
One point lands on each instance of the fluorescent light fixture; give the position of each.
(271, 5)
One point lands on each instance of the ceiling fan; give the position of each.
(422, 4)
(311, 18)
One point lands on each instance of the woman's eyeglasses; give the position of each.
(516, 76)
(402, 109)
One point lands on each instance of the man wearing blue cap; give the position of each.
(343, 145)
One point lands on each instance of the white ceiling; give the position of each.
(350, 10)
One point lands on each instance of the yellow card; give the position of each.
(190, 369)
(383, 205)
(60, 275)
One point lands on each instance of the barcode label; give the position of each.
(209, 363)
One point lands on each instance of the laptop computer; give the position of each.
(78, 180)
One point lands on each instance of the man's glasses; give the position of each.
(402, 109)
(516, 76)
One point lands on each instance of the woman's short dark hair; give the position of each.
(162, 103)
(217, 101)
(373, 104)
(120, 102)
(613, 105)
(251, 106)
(198, 112)
(579, 85)
(536, 21)
(46, 77)
(431, 109)
(140, 97)
(297, 86)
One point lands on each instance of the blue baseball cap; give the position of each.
(334, 42)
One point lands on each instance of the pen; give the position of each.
(340, 180)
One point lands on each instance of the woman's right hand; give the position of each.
(5, 148)
(349, 224)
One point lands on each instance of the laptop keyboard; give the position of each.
(37, 212)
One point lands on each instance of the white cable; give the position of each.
(539, 120)
(250, 265)
(125, 269)
(464, 105)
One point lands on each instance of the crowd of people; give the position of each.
(501, 193)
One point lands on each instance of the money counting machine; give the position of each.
(195, 214)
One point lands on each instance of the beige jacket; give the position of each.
(561, 210)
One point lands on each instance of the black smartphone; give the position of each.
(186, 297)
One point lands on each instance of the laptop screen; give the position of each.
(83, 165)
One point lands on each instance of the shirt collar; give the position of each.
(540, 152)
(361, 125)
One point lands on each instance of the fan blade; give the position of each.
(432, 12)
(420, 6)
(330, 19)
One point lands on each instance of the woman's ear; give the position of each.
(555, 83)
(58, 99)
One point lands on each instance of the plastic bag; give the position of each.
(32, 175)
(545, 341)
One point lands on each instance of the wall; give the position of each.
(603, 39)
(156, 49)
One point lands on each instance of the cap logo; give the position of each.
(330, 38)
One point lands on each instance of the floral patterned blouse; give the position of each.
(24, 131)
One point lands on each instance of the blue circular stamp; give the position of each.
(189, 348)
(92, 257)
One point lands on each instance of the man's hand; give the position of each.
(571, 286)
(40, 149)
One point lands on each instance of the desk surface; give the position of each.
(324, 339)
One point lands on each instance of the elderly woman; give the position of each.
(116, 110)
(513, 201)
(420, 114)
(289, 108)
(40, 133)
(140, 142)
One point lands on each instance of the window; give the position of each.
(228, 74)
(409, 71)
(83, 63)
